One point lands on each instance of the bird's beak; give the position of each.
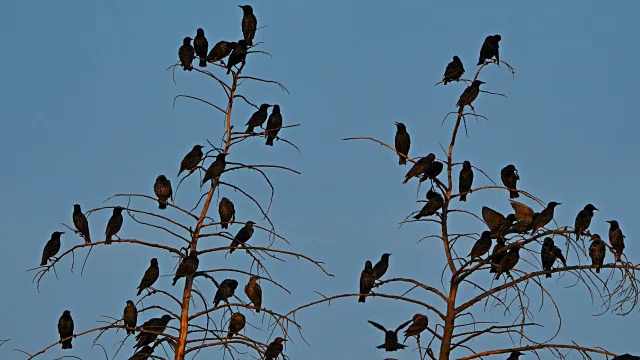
(595, 208)
(609, 221)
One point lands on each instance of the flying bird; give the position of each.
(220, 51)
(188, 266)
(258, 118)
(597, 252)
(490, 48)
(81, 223)
(541, 219)
(380, 268)
(616, 239)
(130, 317)
(51, 248)
(367, 280)
(549, 254)
(238, 55)
(215, 169)
(164, 192)
(583, 220)
(114, 225)
(403, 142)
(465, 180)
(156, 325)
(254, 292)
(419, 324)
(274, 349)
(390, 337)
(435, 201)
(419, 167)
(509, 261)
(469, 95)
(150, 276)
(227, 212)
(226, 290)
(510, 177)
(481, 246)
(242, 236)
(201, 46)
(186, 54)
(65, 329)
(274, 123)
(454, 71)
(249, 24)
(236, 324)
(191, 161)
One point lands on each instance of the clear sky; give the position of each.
(87, 112)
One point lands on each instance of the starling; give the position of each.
(509, 261)
(163, 191)
(432, 171)
(420, 323)
(544, 217)
(81, 223)
(236, 324)
(242, 236)
(215, 169)
(142, 354)
(249, 24)
(157, 325)
(494, 220)
(515, 355)
(186, 54)
(497, 255)
(482, 246)
(227, 212)
(254, 292)
(469, 95)
(597, 251)
(201, 46)
(274, 349)
(435, 201)
(454, 71)
(258, 118)
(524, 215)
(273, 124)
(188, 266)
(583, 220)
(220, 51)
(191, 161)
(65, 329)
(51, 248)
(114, 224)
(490, 48)
(130, 317)
(238, 55)
(465, 180)
(509, 176)
(380, 268)
(616, 239)
(419, 167)
(390, 337)
(150, 276)
(403, 142)
(225, 291)
(549, 254)
(367, 280)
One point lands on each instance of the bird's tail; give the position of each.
(257, 309)
(234, 245)
(417, 217)
(130, 331)
(598, 270)
(513, 194)
(162, 205)
(548, 275)
(270, 140)
(249, 129)
(229, 335)
(402, 161)
(362, 299)
(87, 238)
(44, 261)
(67, 344)
(175, 279)
(224, 225)
(203, 62)
(577, 235)
(406, 179)
(139, 291)
(463, 197)
(498, 273)
(108, 239)
(480, 62)
(228, 69)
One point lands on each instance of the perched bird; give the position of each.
(242, 236)
(616, 239)
(238, 55)
(583, 220)
(201, 46)
(432, 171)
(403, 142)
(220, 51)
(524, 215)
(419, 167)
(497, 255)
(435, 201)
(481, 246)
(510, 177)
(65, 329)
(465, 180)
(273, 124)
(380, 268)
(191, 161)
(236, 324)
(81, 223)
(509, 261)
(258, 118)
(549, 254)
(114, 225)
(186, 54)
(226, 290)
(157, 325)
(497, 223)
(515, 355)
(215, 169)
(254, 292)
(142, 354)
(164, 192)
(274, 349)
(130, 317)
(544, 217)
(249, 24)
(367, 280)
(188, 266)
(390, 337)
(454, 71)
(227, 212)
(150, 276)
(51, 248)
(597, 252)
(420, 324)
(469, 95)
(490, 48)
(626, 357)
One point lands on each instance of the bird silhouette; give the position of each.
(390, 337)
(402, 142)
(81, 223)
(454, 71)
(65, 329)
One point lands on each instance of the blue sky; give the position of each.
(87, 112)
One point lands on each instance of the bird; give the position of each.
(496, 222)
(191, 161)
(380, 268)
(515, 355)
(215, 169)
(242, 236)
(81, 223)
(549, 254)
(367, 280)
(220, 50)
(130, 317)
(544, 217)
(435, 201)
(142, 354)
(150, 276)
(390, 337)
(249, 24)
(419, 324)
(274, 349)
(524, 215)
(254, 292)
(65, 329)
(186, 54)
(258, 118)
(114, 225)
(201, 46)
(274, 123)
(465, 180)
(238, 55)
(51, 248)
(236, 324)
(481, 246)
(156, 325)
(226, 290)
(403, 142)
(490, 48)
(616, 239)
(626, 357)
(509, 261)
(510, 177)
(583, 220)
(188, 266)
(469, 95)
(454, 71)
(227, 212)
(597, 252)
(432, 171)
(164, 192)
(419, 167)
(497, 255)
